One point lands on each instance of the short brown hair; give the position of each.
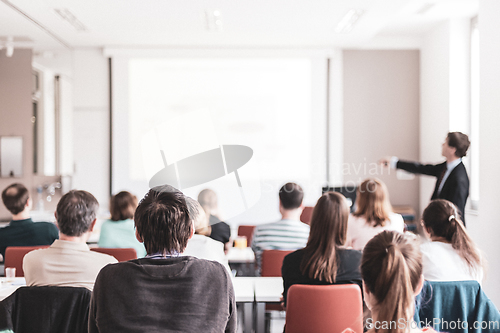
(291, 196)
(122, 206)
(460, 141)
(162, 221)
(75, 212)
(15, 197)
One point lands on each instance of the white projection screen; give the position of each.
(169, 113)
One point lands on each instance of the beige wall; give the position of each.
(485, 226)
(15, 117)
(381, 117)
(16, 111)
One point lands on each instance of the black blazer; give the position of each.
(455, 188)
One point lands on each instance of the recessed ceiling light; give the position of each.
(424, 8)
(213, 20)
(68, 16)
(348, 21)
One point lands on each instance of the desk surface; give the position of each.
(246, 289)
(237, 255)
(7, 288)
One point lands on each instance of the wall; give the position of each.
(486, 227)
(16, 112)
(91, 124)
(381, 117)
(15, 119)
(434, 102)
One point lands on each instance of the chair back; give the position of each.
(451, 301)
(322, 309)
(46, 309)
(271, 262)
(306, 215)
(247, 231)
(14, 256)
(120, 254)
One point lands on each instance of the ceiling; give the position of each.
(183, 23)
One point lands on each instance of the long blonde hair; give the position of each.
(391, 267)
(373, 202)
(328, 231)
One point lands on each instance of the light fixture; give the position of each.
(9, 47)
(348, 21)
(424, 8)
(213, 20)
(68, 16)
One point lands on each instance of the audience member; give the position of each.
(324, 260)
(68, 262)
(119, 231)
(221, 231)
(452, 181)
(22, 231)
(200, 245)
(451, 255)
(166, 291)
(391, 267)
(287, 234)
(373, 214)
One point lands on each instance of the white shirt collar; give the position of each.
(452, 165)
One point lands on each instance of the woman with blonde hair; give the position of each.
(324, 260)
(391, 268)
(451, 255)
(119, 231)
(373, 214)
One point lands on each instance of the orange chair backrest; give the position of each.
(306, 215)
(271, 262)
(247, 231)
(321, 309)
(14, 256)
(120, 254)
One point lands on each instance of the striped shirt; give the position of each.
(281, 235)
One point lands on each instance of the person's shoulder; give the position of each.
(102, 257)
(44, 226)
(36, 255)
(207, 268)
(350, 254)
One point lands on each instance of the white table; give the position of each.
(267, 290)
(7, 288)
(254, 293)
(237, 255)
(249, 291)
(244, 291)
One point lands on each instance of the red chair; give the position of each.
(14, 256)
(306, 214)
(271, 262)
(120, 254)
(247, 231)
(323, 309)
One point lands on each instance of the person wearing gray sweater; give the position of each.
(164, 292)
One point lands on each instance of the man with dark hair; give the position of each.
(22, 231)
(165, 291)
(287, 234)
(452, 181)
(68, 262)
